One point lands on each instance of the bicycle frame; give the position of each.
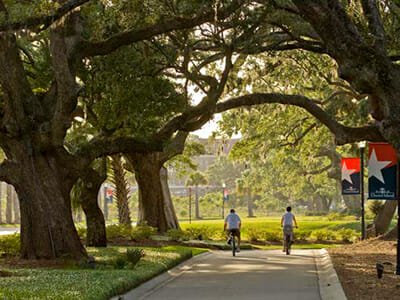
(233, 243)
(288, 243)
(287, 236)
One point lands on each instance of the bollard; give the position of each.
(379, 270)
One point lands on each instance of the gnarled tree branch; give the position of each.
(174, 147)
(101, 146)
(375, 25)
(91, 48)
(43, 22)
(343, 134)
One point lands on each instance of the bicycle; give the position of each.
(232, 242)
(287, 243)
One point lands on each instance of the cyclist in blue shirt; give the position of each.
(233, 224)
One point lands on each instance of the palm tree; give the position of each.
(195, 179)
(121, 189)
(17, 216)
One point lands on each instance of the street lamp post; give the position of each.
(223, 200)
(190, 205)
(361, 145)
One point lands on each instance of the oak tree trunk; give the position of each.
(384, 217)
(170, 214)
(95, 222)
(122, 191)
(43, 186)
(152, 209)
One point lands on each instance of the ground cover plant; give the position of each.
(112, 274)
(356, 268)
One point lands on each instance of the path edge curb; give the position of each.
(145, 289)
(330, 287)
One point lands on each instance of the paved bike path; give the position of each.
(250, 275)
(8, 230)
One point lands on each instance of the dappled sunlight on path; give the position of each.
(249, 275)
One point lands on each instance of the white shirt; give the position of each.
(288, 219)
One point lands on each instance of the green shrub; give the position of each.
(302, 235)
(335, 216)
(142, 232)
(273, 236)
(10, 244)
(256, 234)
(347, 235)
(323, 235)
(319, 235)
(120, 262)
(198, 233)
(217, 235)
(177, 235)
(315, 213)
(134, 255)
(118, 231)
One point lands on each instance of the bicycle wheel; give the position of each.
(287, 244)
(233, 245)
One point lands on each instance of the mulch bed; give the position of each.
(356, 268)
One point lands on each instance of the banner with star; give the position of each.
(382, 171)
(351, 176)
(226, 194)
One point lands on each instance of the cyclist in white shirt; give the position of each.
(287, 222)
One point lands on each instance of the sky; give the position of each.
(211, 126)
(208, 128)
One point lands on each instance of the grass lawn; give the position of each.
(312, 229)
(273, 223)
(73, 282)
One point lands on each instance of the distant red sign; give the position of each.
(109, 192)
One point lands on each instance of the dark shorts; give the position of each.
(235, 232)
(288, 230)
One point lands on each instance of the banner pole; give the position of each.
(362, 193)
(398, 219)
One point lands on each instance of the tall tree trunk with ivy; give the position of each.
(250, 204)
(121, 190)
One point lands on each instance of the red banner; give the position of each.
(351, 175)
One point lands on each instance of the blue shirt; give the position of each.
(233, 221)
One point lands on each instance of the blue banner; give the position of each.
(382, 172)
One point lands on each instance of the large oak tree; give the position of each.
(35, 118)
